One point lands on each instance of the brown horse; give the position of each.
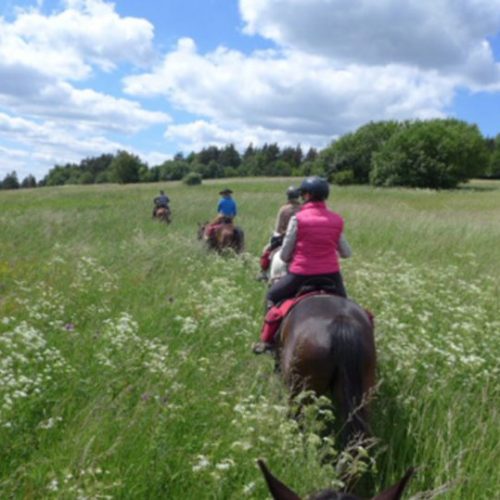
(163, 214)
(327, 345)
(280, 491)
(224, 236)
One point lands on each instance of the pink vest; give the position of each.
(318, 235)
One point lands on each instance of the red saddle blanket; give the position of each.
(275, 315)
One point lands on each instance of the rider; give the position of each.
(312, 243)
(226, 212)
(161, 201)
(285, 213)
(226, 208)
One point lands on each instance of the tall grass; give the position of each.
(125, 368)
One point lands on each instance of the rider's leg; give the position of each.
(284, 288)
(339, 283)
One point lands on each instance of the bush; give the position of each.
(343, 178)
(354, 152)
(192, 179)
(436, 154)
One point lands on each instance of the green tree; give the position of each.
(292, 156)
(29, 182)
(206, 155)
(493, 169)
(173, 170)
(437, 154)
(125, 168)
(229, 157)
(10, 181)
(354, 151)
(192, 179)
(311, 154)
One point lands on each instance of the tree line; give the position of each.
(436, 154)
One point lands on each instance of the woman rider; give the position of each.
(313, 241)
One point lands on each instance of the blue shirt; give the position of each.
(227, 207)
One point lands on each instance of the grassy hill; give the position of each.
(125, 363)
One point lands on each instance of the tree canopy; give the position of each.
(437, 154)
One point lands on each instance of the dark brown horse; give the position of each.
(327, 345)
(163, 214)
(224, 236)
(280, 491)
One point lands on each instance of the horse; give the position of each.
(278, 267)
(225, 236)
(280, 491)
(326, 345)
(164, 214)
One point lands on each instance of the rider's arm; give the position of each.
(281, 221)
(288, 246)
(344, 248)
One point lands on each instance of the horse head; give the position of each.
(280, 491)
(201, 229)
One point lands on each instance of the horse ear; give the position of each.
(278, 490)
(395, 491)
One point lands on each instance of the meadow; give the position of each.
(125, 362)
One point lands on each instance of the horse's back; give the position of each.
(314, 333)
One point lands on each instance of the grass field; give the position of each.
(125, 363)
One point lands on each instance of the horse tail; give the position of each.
(349, 358)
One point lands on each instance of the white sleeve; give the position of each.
(344, 248)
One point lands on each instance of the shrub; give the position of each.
(343, 178)
(192, 179)
(436, 154)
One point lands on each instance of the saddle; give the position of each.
(277, 313)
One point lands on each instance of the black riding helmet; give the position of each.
(317, 187)
(292, 193)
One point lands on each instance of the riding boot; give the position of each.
(262, 276)
(261, 346)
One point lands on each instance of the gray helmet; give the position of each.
(317, 187)
(292, 193)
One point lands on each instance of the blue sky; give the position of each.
(80, 78)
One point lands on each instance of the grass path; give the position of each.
(125, 369)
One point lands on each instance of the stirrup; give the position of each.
(262, 347)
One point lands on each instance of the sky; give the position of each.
(79, 78)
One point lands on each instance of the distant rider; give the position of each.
(312, 245)
(284, 214)
(226, 208)
(226, 212)
(161, 201)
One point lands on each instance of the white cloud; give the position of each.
(45, 144)
(68, 43)
(42, 60)
(336, 65)
(40, 54)
(449, 36)
(198, 134)
(290, 92)
(61, 101)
